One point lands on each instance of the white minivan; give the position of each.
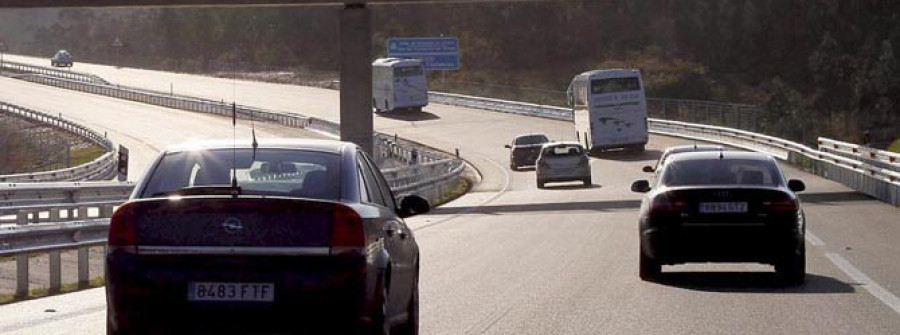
(609, 109)
(399, 84)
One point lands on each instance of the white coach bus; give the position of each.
(399, 84)
(609, 109)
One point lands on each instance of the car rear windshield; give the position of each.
(531, 139)
(275, 172)
(563, 150)
(722, 172)
(615, 85)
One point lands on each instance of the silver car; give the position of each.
(681, 149)
(562, 161)
(62, 58)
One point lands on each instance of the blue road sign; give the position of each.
(438, 53)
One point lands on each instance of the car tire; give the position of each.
(639, 148)
(650, 270)
(411, 327)
(540, 183)
(514, 167)
(587, 181)
(792, 269)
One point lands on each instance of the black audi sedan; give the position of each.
(525, 149)
(292, 236)
(724, 206)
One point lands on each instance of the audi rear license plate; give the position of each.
(213, 291)
(723, 207)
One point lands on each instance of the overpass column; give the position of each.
(356, 76)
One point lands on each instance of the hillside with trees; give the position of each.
(827, 64)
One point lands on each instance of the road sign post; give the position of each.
(2, 50)
(437, 53)
(117, 45)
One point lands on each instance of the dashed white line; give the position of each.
(813, 239)
(870, 285)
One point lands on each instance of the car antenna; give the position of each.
(234, 184)
(254, 143)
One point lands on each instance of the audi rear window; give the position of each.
(274, 172)
(717, 171)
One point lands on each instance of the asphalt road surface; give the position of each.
(508, 258)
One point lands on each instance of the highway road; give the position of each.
(511, 259)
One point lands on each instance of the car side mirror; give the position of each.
(796, 185)
(640, 186)
(412, 205)
(507, 146)
(648, 169)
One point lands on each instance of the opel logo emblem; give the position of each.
(233, 225)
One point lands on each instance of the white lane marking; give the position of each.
(503, 190)
(813, 239)
(870, 285)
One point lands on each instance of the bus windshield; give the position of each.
(615, 85)
(408, 71)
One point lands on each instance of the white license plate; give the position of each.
(723, 207)
(213, 291)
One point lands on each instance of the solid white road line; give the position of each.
(870, 285)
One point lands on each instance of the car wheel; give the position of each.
(792, 270)
(650, 270)
(587, 181)
(540, 183)
(639, 148)
(513, 166)
(411, 327)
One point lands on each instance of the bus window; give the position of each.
(407, 71)
(615, 85)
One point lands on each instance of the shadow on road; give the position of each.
(599, 206)
(568, 187)
(405, 115)
(628, 156)
(752, 282)
(826, 197)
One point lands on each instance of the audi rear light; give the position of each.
(666, 204)
(122, 232)
(783, 204)
(347, 229)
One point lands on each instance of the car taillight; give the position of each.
(347, 228)
(664, 204)
(784, 205)
(122, 232)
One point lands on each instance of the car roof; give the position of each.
(560, 144)
(531, 134)
(331, 146)
(709, 155)
(694, 147)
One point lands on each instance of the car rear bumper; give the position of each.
(719, 244)
(555, 175)
(312, 296)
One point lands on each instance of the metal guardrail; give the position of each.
(50, 71)
(400, 150)
(103, 167)
(880, 158)
(872, 180)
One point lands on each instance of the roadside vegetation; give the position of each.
(31, 147)
(827, 64)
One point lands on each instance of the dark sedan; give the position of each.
(525, 150)
(290, 237)
(724, 206)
